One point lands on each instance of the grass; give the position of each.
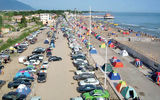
(11, 42)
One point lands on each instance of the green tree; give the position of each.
(23, 22)
(1, 23)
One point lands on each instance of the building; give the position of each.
(17, 18)
(46, 18)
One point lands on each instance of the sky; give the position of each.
(98, 5)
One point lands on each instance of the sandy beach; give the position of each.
(134, 77)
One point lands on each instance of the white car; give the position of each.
(77, 60)
(34, 62)
(45, 64)
(92, 81)
(43, 70)
(83, 71)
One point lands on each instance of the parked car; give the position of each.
(89, 67)
(79, 57)
(43, 70)
(36, 98)
(1, 67)
(54, 58)
(35, 57)
(14, 96)
(31, 79)
(16, 83)
(79, 60)
(89, 81)
(2, 82)
(5, 57)
(34, 62)
(38, 50)
(83, 71)
(44, 64)
(20, 50)
(88, 88)
(83, 76)
(41, 77)
(95, 94)
(29, 69)
(77, 98)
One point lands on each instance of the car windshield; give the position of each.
(41, 75)
(43, 69)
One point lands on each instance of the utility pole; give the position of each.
(105, 65)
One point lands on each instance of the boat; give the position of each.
(108, 16)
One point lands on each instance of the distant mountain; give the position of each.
(14, 5)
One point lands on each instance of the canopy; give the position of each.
(108, 69)
(129, 92)
(118, 64)
(124, 53)
(114, 75)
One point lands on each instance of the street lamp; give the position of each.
(105, 65)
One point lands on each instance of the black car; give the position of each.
(54, 58)
(83, 76)
(41, 77)
(1, 67)
(38, 50)
(49, 54)
(16, 83)
(88, 88)
(14, 96)
(90, 68)
(2, 83)
(35, 57)
(31, 79)
(20, 50)
(79, 57)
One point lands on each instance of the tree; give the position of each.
(1, 23)
(23, 22)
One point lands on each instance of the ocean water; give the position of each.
(140, 22)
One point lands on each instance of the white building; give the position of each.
(46, 18)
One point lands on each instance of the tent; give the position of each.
(93, 51)
(111, 45)
(103, 45)
(156, 77)
(121, 85)
(108, 69)
(114, 75)
(46, 41)
(124, 53)
(129, 92)
(118, 64)
(138, 63)
(109, 42)
(23, 89)
(114, 59)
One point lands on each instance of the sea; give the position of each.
(148, 23)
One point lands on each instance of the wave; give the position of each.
(130, 24)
